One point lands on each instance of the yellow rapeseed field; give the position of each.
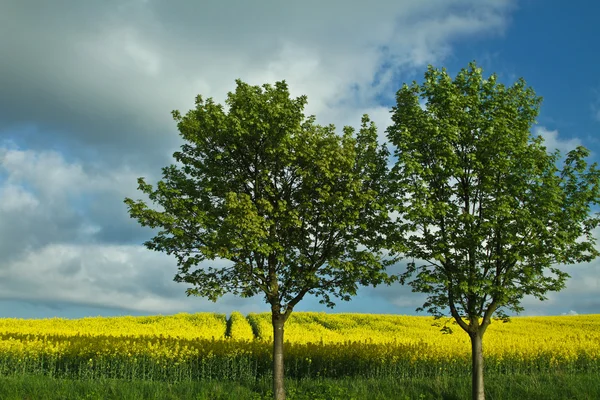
(183, 325)
(564, 337)
(207, 345)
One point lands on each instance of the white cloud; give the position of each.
(552, 141)
(14, 198)
(49, 173)
(128, 277)
(46, 171)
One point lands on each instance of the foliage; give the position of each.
(294, 207)
(287, 202)
(490, 213)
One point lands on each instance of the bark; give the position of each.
(477, 365)
(278, 371)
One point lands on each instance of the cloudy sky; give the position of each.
(87, 89)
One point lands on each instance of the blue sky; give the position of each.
(87, 91)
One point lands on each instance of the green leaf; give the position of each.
(491, 213)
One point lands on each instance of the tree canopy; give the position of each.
(295, 208)
(491, 214)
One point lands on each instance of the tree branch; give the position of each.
(454, 312)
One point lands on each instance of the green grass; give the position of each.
(531, 387)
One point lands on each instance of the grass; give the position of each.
(531, 387)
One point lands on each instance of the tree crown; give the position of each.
(489, 210)
(288, 202)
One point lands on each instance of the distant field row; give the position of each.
(307, 327)
(208, 345)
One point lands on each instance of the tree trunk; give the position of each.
(477, 366)
(278, 372)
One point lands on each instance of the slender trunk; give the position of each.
(477, 365)
(278, 372)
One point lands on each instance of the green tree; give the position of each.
(490, 212)
(296, 208)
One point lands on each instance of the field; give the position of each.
(206, 347)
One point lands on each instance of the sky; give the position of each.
(87, 90)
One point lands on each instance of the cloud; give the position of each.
(113, 71)
(114, 276)
(553, 142)
(45, 199)
(87, 90)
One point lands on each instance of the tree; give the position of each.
(494, 213)
(296, 208)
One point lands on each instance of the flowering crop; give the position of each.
(240, 328)
(207, 346)
(184, 325)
